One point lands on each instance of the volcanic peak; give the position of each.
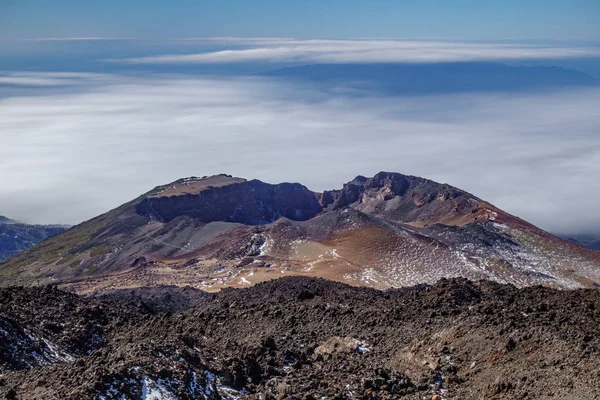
(402, 198)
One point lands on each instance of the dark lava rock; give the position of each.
(301, 338)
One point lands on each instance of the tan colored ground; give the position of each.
(195, 186)
(358, 257)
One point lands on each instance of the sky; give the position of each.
(563, 20)
(102, 101)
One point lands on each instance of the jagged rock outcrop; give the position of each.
(407, 199)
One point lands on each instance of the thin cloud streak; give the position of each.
(71, 39)
(70, 156)
(361, 51)
(37, 79)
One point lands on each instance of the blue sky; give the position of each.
(571, 20)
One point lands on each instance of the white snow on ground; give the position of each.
(113, 392)
(310, 265)
(199, 386)
(153, 390)
(49, 353)
(369, 275)
(550, 260)
(264, 247)
(523, 258)
(191, 179)
(245, 281)
(362, 346)
(55, 354)
(194, 386)
(288, 365)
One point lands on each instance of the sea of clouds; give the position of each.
(77, 145)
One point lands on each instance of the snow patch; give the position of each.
(245, 281)
(155, 390)
(362, 346)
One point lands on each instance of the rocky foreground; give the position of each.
(301, 338)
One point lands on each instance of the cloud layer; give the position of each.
(67, 39)
(361, 51)
(70, 155)
(49, 79)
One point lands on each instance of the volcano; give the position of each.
(390, 230)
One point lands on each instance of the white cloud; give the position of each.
(50, 78)
(361, 51)
(72, 39)
(70, 156)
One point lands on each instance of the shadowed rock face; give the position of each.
(251, 203)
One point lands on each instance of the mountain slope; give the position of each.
(390, 230)
(437, 78)
(6, 220)
(16, 237)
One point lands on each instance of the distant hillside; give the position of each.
(421, 79)
(16, 237)
(590, 241)
(5, 220)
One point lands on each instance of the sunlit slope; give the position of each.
(390, 230)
